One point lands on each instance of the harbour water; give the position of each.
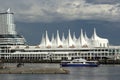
(103, 72)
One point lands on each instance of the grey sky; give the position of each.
(67, 10)
(104, 1)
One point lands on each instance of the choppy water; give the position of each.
(103, 72)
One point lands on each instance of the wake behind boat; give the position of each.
(79, 63)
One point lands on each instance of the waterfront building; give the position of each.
(13, 47)
(8, 34)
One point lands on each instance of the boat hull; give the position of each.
(79, 65)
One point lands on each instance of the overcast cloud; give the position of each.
(63, 10)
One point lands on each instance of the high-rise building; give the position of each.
(7, 25)
(8, 35)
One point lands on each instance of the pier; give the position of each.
(32, 68)
(23, 70)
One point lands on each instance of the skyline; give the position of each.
(33, 18)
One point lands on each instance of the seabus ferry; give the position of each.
(79, 63)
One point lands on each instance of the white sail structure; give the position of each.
(87, 40)
(86, 37)
(72, 42)
(47, 41)
(42, 43)
(74, 37)
(64, 41)
(59, 43)
(78, 42)
(83, 41)
(97, 41)
(53, 41)
(63, 37)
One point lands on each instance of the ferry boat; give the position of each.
(79, 63)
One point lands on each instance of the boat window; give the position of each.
(65, 62)
(77, 62)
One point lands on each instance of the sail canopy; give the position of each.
(72, 42)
